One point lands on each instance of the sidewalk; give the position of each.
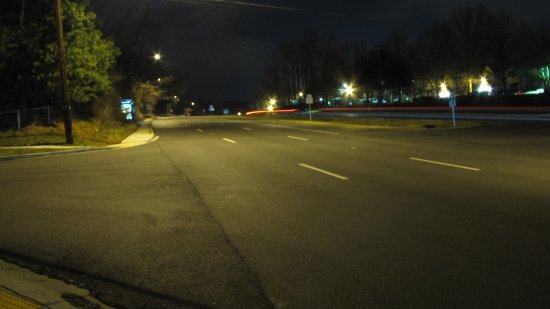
(22, 289)
(144, 134)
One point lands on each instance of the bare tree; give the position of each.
(433, 57)
(147, 95)
(311, 64)
(471, 29)
(503, 48)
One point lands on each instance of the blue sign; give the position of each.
(127, 108)
(452, 104)
(452, 101)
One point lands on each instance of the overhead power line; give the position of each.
(258, 5)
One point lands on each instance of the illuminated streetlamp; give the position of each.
(444, 93)
(157, 57)
(300, 94)
(271, 104)
(348, 89)
(484, 87)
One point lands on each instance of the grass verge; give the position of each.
(85, 133)
(374, 123)
(23, 151)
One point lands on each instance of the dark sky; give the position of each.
(223, 46)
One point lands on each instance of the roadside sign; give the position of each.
(309, 99)
(452, 101)
(211, 108)
(226, 111)
(127, 108)
(452, 104)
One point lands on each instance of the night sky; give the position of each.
(223, 46)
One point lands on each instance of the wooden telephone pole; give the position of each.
(67, 110)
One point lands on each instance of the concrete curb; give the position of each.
(21, 288)
(143, 135)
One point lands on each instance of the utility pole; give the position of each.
(67, 110)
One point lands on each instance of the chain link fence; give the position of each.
(19, 118)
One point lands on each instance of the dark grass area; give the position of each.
(85, 133)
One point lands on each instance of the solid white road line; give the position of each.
(247, 129)
(298, 138)
(447, 164)
(309, 130)
(199, 130)
(323, 171)
(229, 140)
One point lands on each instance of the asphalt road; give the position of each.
(251, 214)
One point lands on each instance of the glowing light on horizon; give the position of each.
(484, 87)
(348, 89)
(444, 92)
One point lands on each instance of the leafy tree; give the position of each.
(29, 56)
(89, 56)
(23, 34)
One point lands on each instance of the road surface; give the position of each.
(225, 213)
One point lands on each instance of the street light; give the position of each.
(444, 92)
(271, 105)
(300, 94)
(348, 89)
(484, 86)
(157, 56)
